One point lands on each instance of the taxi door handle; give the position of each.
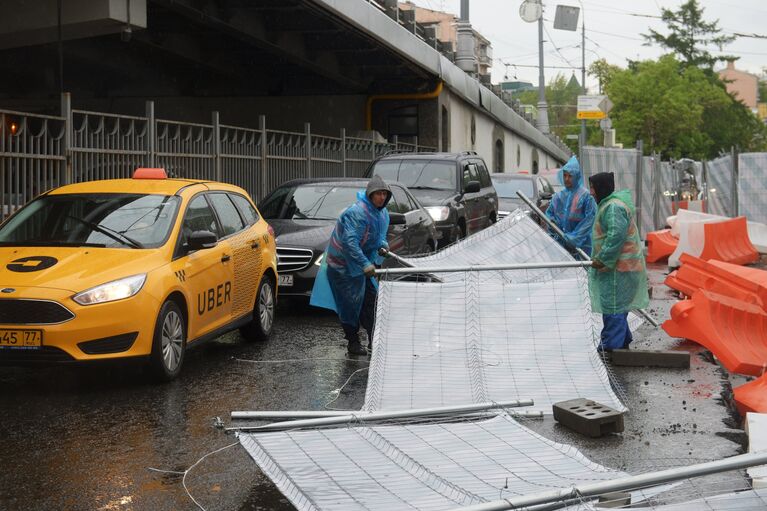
(225, 258)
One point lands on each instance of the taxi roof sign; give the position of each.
(150, 173)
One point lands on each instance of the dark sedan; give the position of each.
(303, 213)
(537, 189)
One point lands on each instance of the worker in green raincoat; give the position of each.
(618, 277)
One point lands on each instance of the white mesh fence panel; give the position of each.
(668, 184)
(474, 341)
(720, 172)
(512, 240)
(752, 186)
(434, 466)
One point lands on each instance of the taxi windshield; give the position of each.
(98, 220)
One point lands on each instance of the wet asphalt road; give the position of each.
(89, 438)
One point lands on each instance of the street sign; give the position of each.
(605, 123)
(566, 18)
(571, 137)
(530, 10)
(593, 107)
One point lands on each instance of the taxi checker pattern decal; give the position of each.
(181, 275)
(32, 263)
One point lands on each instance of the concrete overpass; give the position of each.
(333, 63)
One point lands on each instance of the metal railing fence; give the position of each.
(39, 152)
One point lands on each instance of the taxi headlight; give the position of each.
(439, 213)
(111, 291)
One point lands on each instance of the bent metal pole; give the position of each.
(483, 267)
(584, 255)
(583, 491)
(360, 417)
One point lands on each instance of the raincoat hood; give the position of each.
(377, 184)
(603, 184)
(573, 168)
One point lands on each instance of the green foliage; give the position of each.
(562, 99)
(689, 34)
(679, 111)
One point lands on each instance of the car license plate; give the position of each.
(21, 339)
(286, 280)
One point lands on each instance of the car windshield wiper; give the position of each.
(115, 235)
(426, 188)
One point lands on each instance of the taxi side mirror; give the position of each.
(472, 187)
(202, 239)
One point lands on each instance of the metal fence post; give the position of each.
(640, 161)
(735, 176)
(704, 170)
(416, 144)
(308, 131)
(343, 152)
(151, 138)
(656, 186)
(66, 113)
(264, 155)
(216, 147)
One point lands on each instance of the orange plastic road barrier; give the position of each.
(728, 241)
(758, 277)
(719, 277)
(691, 205)
(660, 245)
(752, 397)
(734, 331)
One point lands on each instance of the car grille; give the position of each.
(293, 259)
(46, 354)
(32, 312)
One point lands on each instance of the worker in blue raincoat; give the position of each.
(618, 277)
(573, 209)
(345, 282)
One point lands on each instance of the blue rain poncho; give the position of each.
(621, 285)
(360, 231)
(573, 209)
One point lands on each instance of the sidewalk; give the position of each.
(676, 416)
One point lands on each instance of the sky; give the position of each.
(613, 32)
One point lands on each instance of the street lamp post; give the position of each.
(543, 115)
(582, 141)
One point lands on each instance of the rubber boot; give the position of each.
(351, 334)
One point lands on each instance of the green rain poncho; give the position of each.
(621, 285)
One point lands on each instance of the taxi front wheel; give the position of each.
(169, 342)
(263, 312)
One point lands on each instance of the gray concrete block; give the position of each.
(588, 417)
(650, 358)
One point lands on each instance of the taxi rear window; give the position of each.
(101, 220)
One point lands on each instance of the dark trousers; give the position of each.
(367, 316)
(615, 332)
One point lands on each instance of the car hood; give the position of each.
(505, 204)
(72, 268)
(314, 234)
(433, 197)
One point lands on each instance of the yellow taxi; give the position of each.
(137, 267)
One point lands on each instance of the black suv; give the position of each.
(455, 188)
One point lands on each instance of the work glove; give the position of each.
(369, 270)
(596, 263)
(384, 252)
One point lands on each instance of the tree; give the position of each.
(603, 71)
(562, 100)
(689, 34)
(679, 111)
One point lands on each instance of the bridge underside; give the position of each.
(209, 48)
